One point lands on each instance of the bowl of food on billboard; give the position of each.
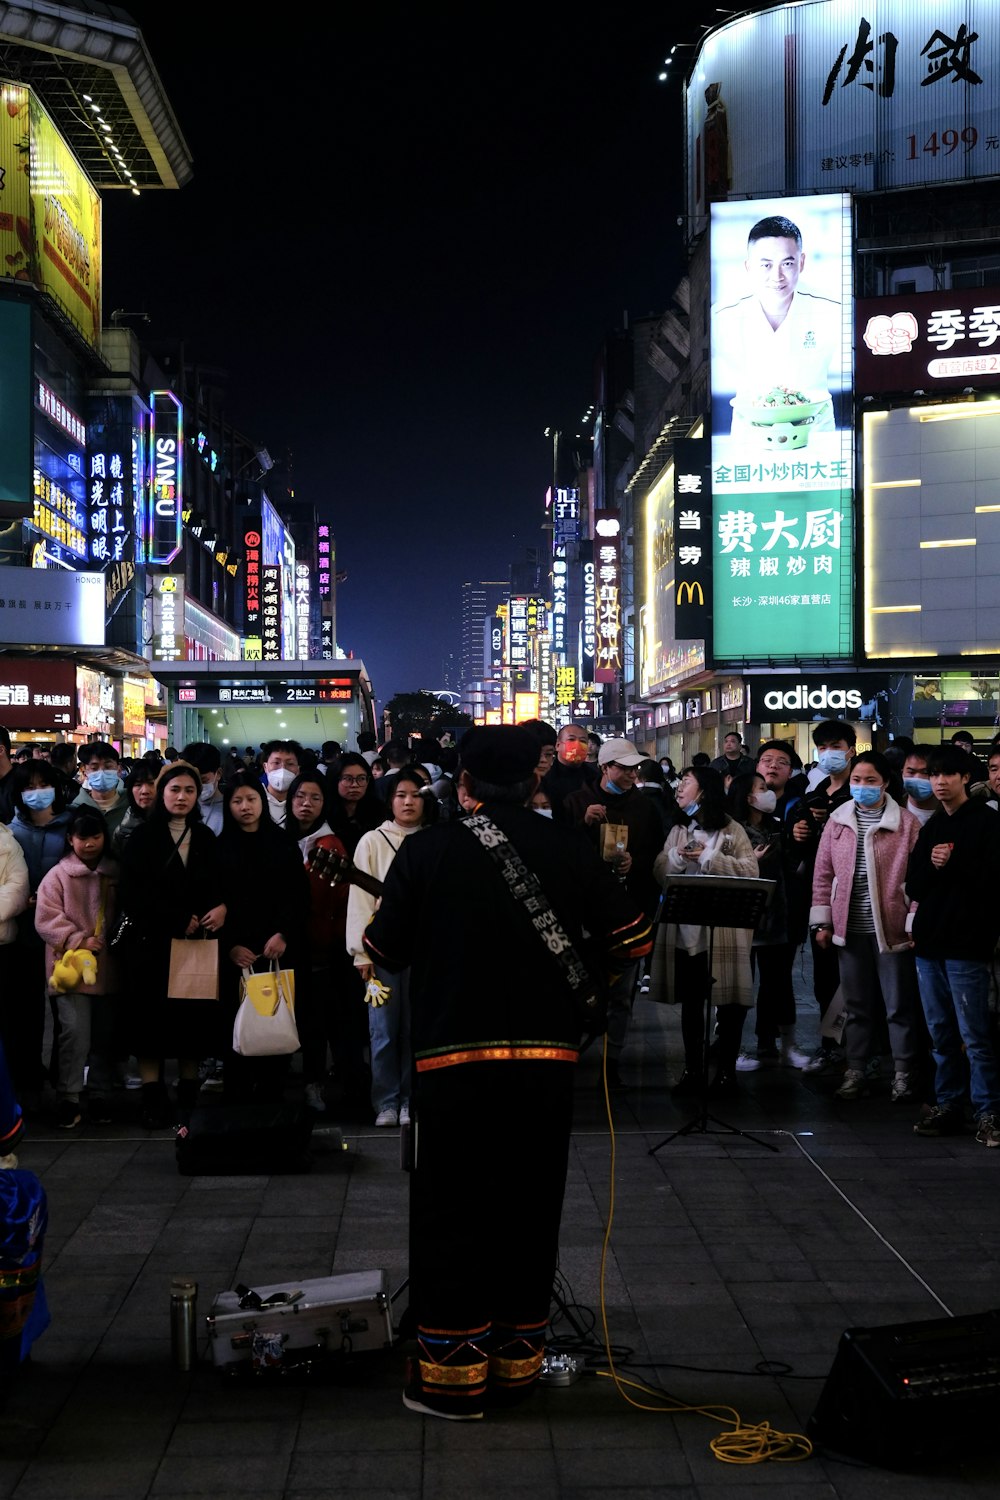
(782, 443)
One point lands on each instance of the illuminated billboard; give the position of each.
(50, 227)
(932, 531)
(948, 339)
(782, 448)
(847, 96)
(608, 563)
(167, 483)
(666, 660)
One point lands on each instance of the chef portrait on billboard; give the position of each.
(780, 321)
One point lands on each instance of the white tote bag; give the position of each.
(265, 1022)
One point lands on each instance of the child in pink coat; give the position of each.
(75, 908)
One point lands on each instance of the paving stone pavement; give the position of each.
(722, 1255)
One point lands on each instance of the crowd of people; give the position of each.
(453, 917)
(281, 853)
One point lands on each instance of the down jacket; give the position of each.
(887, 850)
(13, 884)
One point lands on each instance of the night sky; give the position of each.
(406, 237)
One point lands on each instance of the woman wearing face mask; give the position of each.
(412, 807)
(266, 920)
(331, 1013)
(40, 821)
(860, 907)
(752, 804)
(140, 794)
(708, 842)
(172, 886)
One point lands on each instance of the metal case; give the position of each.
(298, 1322)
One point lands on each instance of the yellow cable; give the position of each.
(743, 1445)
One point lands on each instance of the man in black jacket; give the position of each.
(495, 1033)
(952, 877)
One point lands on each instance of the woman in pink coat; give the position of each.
(859, 904)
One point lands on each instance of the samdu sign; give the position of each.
(947, 339)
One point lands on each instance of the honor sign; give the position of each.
(785, 700)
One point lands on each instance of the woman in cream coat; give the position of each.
(708, 842)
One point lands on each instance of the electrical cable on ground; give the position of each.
(743, 1445)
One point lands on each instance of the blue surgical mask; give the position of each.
(832, 761)
(691, 809)
(618, 790)
(866, 796)
(102, 781)
(918, 788)
(39, 798)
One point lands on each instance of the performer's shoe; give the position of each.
(412, 1404)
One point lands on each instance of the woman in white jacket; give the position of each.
(413, 806)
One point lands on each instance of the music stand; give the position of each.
(713, 901)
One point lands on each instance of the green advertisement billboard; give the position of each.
(782, 429)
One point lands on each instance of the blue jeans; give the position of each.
(955, 994)
(389, 1033)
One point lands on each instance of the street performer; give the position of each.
(492, 915)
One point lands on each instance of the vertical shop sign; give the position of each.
(270, 612)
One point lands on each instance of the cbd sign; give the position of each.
(166, 488)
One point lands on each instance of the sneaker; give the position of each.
(404, 1114)
(939, 1121)
(988, 1131)
(389, 1117)
(412, 1404)
(314, 1099)
(826, 1059)
(133, 1081)
(747, 1062)
(794, 1057)
(68, 1114)
(853, 1086)
(904, 1089)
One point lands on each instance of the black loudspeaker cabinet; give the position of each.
(910, 1393)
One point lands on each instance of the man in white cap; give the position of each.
(617, 800)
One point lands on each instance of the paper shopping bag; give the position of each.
(194, 969)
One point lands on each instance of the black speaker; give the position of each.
(913, 1392)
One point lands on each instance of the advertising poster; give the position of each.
(67, 226)
(782, 440)
(846, 96)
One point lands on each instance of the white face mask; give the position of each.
(763, 801)
(207, 792)
(281, 779)
(543, 812)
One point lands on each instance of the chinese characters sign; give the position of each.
(324, 554)
(782, 435)
(252, 564)
(692, 540)
(109, 533)
(169, 643)
(270, 612)
(852, 95)
(607, 562)
(38, 695)
(947, 338)
(303, 585)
